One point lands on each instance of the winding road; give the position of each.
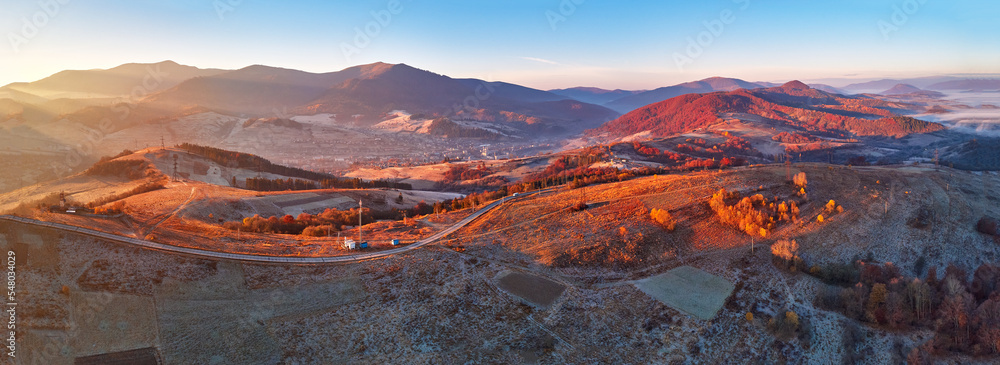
(262, 258)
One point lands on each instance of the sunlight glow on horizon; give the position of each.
(536, 44)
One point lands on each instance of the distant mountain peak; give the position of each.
(590, 89)
(382, 69)
(632, 102)
(902, 89)
(795, 85)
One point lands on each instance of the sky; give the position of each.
(544, 44)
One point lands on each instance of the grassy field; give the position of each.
(436, 305)
(616, 234)
(690, 290)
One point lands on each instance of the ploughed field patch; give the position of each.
(533, 289)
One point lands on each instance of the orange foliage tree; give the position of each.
(664, 218)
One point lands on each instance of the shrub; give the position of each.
(663, 218)
(111, 209)
(784, 325)
(989, 225)
(841, 274)
(317, 231)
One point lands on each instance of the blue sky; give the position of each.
(610, 44)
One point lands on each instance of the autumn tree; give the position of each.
(953, 326)
(896, 313)
(987, 319)
(874, 311)
(663, 218)
(920, 355)
(800, 180)
(853, 300)
(785, 253)
(918, 296)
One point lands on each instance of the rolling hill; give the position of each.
(110, 83)
(794, 104)
(911, 91)
(901, 89)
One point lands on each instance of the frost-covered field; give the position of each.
(442, 304)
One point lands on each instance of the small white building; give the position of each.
(349, 244)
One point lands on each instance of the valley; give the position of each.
(384, 212)
(460, 278)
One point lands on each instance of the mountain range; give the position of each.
(934, 83)
(595, 95)
(365, 95)
(362, 95)
(632, 102)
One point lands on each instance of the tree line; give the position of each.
(330, 220)
(251, 162)
(963, 315)
(279, 184)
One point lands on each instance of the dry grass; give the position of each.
(877, 203)
(690, 290)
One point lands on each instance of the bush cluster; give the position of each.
(754, 215)
(130, 169)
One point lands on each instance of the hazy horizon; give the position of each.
(545, 45)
